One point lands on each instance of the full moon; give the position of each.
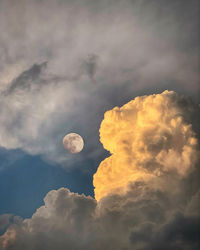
(73, 142)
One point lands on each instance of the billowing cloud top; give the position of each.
(154, 150)
(149, 136)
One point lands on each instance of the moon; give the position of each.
(73, 143)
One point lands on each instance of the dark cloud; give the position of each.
(90, 65)
(181, 232)
(8, 219)
(4, 221)
(185, 229)
(26, 78)
(143, 218)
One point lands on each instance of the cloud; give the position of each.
(92, 50)
(180, 233)
(149, 136)
(38, 109)
(90, 65)
(157, 208)
(142, 218)
(26, 79)
(6, 220)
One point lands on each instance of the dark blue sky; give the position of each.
(24, 184)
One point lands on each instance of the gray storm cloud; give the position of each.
(143, 218)
(92, 49)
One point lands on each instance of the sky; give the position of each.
(124, 74)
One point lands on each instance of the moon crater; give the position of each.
(73, 143)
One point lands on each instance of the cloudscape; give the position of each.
(141, 190)
(99, 125)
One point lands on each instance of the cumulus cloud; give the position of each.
(4, 221)
(92, 50)
(147, 137)
(155, 208)
(142, 218)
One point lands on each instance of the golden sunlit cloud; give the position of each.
(147, 137)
